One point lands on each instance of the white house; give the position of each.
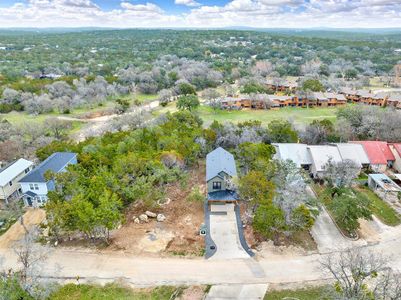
(320, 157)
(10, 175)
(34, 185)
(355, 153)
(297, 153)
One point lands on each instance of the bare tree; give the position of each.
(31, 258)
(360, 274)
(57, 127)
(341, 173)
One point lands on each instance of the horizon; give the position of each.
(202, 14)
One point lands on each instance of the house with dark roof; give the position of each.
(220, 169)
(10, 176)
(35, 186)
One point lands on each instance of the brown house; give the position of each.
(281, 85)
(394, 101)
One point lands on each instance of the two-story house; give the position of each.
(10, 175)
(220, 170)
(35, 186)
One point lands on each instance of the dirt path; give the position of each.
(17, 231)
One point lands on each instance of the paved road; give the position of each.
(224, 232)
(104, 267)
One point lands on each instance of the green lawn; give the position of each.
(111, 291)
(380, 208)
(296, 114)
(311, 293)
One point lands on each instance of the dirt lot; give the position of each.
(178, 234)
(16, 232)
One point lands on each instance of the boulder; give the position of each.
(150, 214)
(143, 218)
(136, 221)
(161, 218)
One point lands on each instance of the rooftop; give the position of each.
(220, 160)
(55, 162)
(322, 154)
(11, 171)
(378, 152)
(385, 182)
(297, 153)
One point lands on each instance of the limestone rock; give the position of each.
(150, 214)
(136, 221)
(161, 218)
(143, 218)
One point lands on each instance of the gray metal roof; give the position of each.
(55, 162)
(297, 153)
(220, 160)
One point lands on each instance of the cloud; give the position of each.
(190, 3)
(254, 13)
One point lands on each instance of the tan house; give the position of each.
(396, 149)
(10, 176)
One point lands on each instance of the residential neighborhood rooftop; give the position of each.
(12, 170)
(55, 162)
(322, 154)
(378, 152)
(298, 153)
(220, 160)
(354, 152)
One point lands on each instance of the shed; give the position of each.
(382, 181)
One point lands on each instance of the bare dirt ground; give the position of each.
(193, 293)
(16, 231)
(177, 235)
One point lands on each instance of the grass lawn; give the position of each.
(111, 291)
(296, 114)
(311, 293)
(380, 208)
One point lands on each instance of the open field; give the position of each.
(299, 116)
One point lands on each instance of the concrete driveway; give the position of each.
(237, 292)
(224, 232)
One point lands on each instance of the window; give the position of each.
(217, 185)
(31, 186)
(36, 186)
(26, 171)
(10, 183)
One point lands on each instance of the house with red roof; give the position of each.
(379, 154)
(396, 150)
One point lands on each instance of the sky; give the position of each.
(201, 13)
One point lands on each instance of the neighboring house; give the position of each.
(34, 185)
(297, 153)
(396, 150)
(10, 175)
(394, 101)
(379, 154)
(320, 156)
(354, 152)
(220, 169)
